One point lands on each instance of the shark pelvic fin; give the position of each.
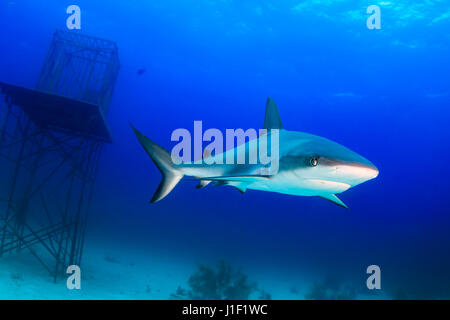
(240, 186)
(202, 184)
(272, 118)
(163, 160)
(333, 198)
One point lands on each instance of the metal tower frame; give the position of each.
(50, 144)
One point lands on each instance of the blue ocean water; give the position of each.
(383, 93)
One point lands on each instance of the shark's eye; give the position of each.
(314, 161)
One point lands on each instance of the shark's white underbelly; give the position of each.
(299, 187)
(284, 182)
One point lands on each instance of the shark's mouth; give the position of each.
(327, 185)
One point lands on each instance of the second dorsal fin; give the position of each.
(272, 118)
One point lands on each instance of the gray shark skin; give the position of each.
(308, 165)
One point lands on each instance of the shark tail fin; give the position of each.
(163, 160)
(272, 119)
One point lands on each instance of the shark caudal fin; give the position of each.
(272, 118)
(163, 160)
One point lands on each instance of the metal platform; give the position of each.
(59, 113)
(50, 145)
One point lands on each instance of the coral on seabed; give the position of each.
(222, 283)
(328, 290)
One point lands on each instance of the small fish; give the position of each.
(141, 71)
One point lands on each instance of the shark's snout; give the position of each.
(367, 173)
(372, 172)
(357, 173)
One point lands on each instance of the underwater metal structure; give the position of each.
(51, 139)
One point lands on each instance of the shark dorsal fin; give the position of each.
(272, 119)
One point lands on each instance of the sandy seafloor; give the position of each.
(109, 272)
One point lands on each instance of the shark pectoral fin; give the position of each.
(272, 119)
(333, 198)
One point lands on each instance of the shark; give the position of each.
(308, 165)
